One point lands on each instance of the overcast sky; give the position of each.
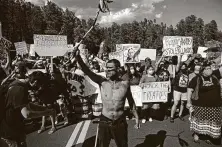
(167, 11)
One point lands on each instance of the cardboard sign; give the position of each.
(50, 45)
(144, 53)
(77, 85)
(21, 48)
(137, 96)
(117, 55)
(177, 45)
(131, 53)
(155, 92)
(201, 51)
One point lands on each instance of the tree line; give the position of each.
(20, 20)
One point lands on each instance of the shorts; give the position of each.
(177, 96)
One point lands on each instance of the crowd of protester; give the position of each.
(194, 85)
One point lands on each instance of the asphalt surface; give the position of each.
(151, 134)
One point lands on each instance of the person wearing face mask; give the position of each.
(149, 77)
(205, 105)
(196, 71)
(134, 78)
(164, 76)
(180, 84)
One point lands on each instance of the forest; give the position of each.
(20, 20)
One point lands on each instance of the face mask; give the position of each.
(208, 72)
(150, 72)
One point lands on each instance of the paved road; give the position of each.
(82, 134)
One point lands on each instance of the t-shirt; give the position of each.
(12, 125)
(209, 92)
(181, 82)
(146, 79)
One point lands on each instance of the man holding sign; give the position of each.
(114, 92)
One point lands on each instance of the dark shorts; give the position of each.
(109, 129)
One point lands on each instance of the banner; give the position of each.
(50, 45)
(21, 48)
(93, 88)
(201, 51)
(77, 85)
(176, 45)
(131, 53)
(155, 92)
(137, 96)
(117, 55)
(144, 53)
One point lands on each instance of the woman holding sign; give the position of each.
(149, 77)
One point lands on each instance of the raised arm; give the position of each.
(179, 62)
(158, 63)
(94, 77)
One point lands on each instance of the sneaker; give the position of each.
(42, 129)
(52, 130)
(171, 120)
(143, 121)
(127, 118)
(150, 119)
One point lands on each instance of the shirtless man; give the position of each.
(114, 92)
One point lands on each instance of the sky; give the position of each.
(167, 11)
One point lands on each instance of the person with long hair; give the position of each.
(149, 77)
(205, 104)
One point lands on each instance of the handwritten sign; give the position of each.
(131, 53)
(144, 53)
(21, 48)
(177, 45)
(155, 92)
(117, 55)
(77, 85)
(50, 45)
(137, 96)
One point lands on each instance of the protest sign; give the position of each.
(77, 85)
(21, 48)
(155, 92)
(177, 45)
(201, 51)
(117, 55)
(137, 96)
(50, 45)
(144, 53)
(93, 88)
(131, 53)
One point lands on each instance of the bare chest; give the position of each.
(113, 91)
